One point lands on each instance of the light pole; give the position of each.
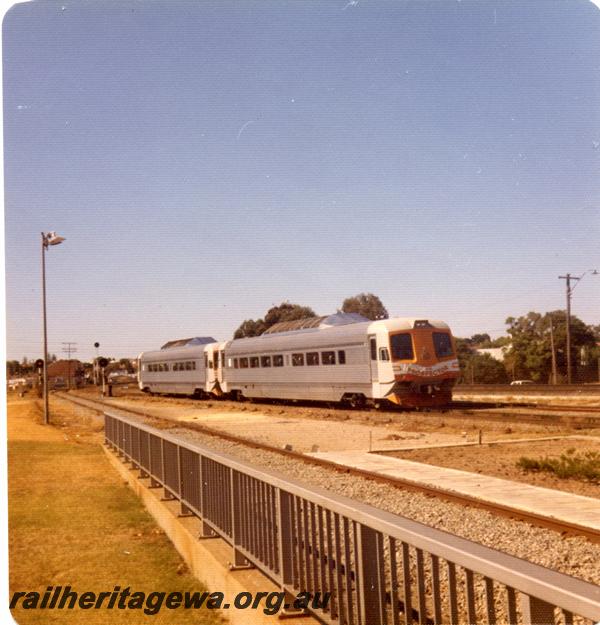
(48, 238)
(569, 278)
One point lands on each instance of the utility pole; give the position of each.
(569, 278)
(554, 376)
(48, 238)
(69, 349)
(45, 356)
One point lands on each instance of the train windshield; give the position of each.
(402, 348)
(442, 344)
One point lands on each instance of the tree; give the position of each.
(125, 363)
(531, 354)
(367, 305)
(481, 340)
(483, 369)
(284, 312)
(13, 368)
(287, 312)
(250, 327)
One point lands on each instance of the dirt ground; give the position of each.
(395, 421)
(500, 461)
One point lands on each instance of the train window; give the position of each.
(312, 358)
(383, 353)
(222, 359)
(341, 357)
(297, 360)
(235, 363)
(278, 360)
(265, 361)
(193, 365)
(328, 358)
(373, 349)
(402, 348)
(243, 363)
(188, 366)
(206, 361)
(442, 344)
(216, 363)
(254, 361)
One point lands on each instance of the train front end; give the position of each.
(424, 364)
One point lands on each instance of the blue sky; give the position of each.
(208, 160)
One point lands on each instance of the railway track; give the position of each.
(539, 520)
(526, 405)
(495, 411)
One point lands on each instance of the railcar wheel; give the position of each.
(356, 401)
(238, 396)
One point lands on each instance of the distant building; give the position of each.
(497, 353)
(65, 373)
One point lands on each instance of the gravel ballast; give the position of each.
(572, 555)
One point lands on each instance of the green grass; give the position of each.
(580, 466)
(72, 521)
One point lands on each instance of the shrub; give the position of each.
(584, 466)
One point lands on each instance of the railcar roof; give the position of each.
(326, 321)
(195, 340)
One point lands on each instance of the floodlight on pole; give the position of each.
(576, 279)
(48, 238)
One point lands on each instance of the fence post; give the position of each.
(205, 529)
(239, 561)
(184, 511)
(371, 575)
(285, 548)
(536, 612)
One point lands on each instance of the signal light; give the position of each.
(103, 362)
(39, 363)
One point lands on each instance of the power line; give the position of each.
(69, 349)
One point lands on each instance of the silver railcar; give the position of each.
(179, 367)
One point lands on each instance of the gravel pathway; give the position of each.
(571, 555)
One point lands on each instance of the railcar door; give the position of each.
(210, 370)
(221, 365)
(373, 358)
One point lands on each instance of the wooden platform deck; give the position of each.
(577, 509)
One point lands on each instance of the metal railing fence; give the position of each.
(380, 568)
